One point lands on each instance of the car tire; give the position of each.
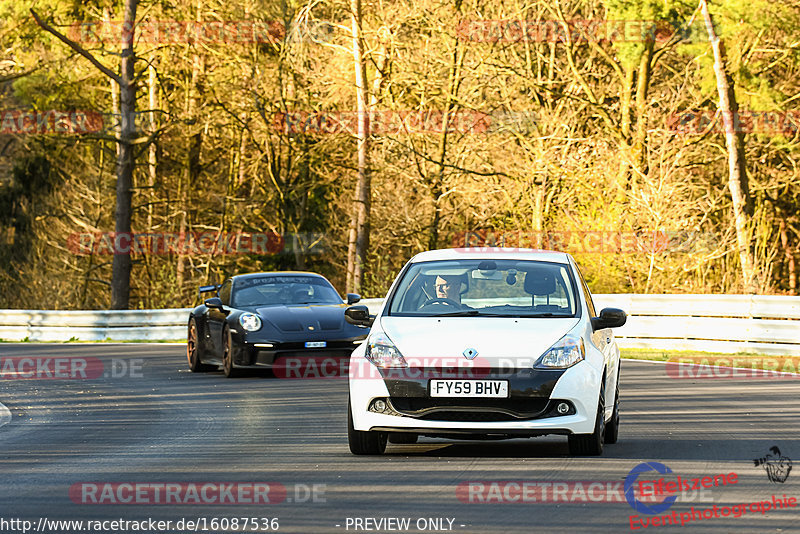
(591, 444)
(612, 427)
(403, 438)
(194, 349)
(228, 366)
(361, 442)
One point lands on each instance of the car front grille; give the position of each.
(444, 409)
(313, 353)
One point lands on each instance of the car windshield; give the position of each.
(468, 288)
(283, 290)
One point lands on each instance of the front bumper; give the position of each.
(528, 411)
(255, 355)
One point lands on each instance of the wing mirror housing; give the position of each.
(359, 316)
(213, 302)
(352, 298)
(208, 289)
(609, 318)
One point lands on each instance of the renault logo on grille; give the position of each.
(470, 354)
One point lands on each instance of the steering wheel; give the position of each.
(441, 300)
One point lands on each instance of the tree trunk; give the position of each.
(121, 274)
(788, 254)
(192, 169)
(437, 185)
(639, 152)
(633, 164)
(734, 139)
(359, 223)
(121, 265)
(152, 150)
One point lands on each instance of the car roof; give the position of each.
(276, 273)
(497, 253)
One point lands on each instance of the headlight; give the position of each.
(568, 351)
(250, 321)
(382, 352)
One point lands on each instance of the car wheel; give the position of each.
(194, 350)
(591, 444)
(363, 442)
(612, 427)
(227, 354)
(402, 438)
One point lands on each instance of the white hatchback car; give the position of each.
(486, 344)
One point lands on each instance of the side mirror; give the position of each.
(358, 315)
(609, 318)
(214, 302)
(352, 298)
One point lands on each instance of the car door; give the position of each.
(216, 317)
(603, 339)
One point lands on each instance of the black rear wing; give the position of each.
(207, 289)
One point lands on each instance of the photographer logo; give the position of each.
(776, 465)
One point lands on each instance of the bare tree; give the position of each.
(734, 139)
(359, 224)
(125, 80)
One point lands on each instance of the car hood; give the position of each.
(304, 317)
(496, 339)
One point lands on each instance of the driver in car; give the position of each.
(448, 287)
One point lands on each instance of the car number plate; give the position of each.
(316, 344)
(469, 388)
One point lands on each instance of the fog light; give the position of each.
(379, 405)
(562, 407)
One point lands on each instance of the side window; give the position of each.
(586, 294)
(225, 292)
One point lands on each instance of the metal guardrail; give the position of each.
(766, 324)
(717, 323)
(128, 325)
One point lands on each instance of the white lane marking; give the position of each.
(5, 415)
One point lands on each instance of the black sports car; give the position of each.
(257, 319)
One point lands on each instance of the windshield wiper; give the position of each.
(545, 314)
(469, 313)
(479, 313)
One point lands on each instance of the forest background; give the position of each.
(351, 135)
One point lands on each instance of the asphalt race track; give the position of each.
(151, 421)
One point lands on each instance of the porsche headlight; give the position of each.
(568, 351)
(250, 321)
(382, 352)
